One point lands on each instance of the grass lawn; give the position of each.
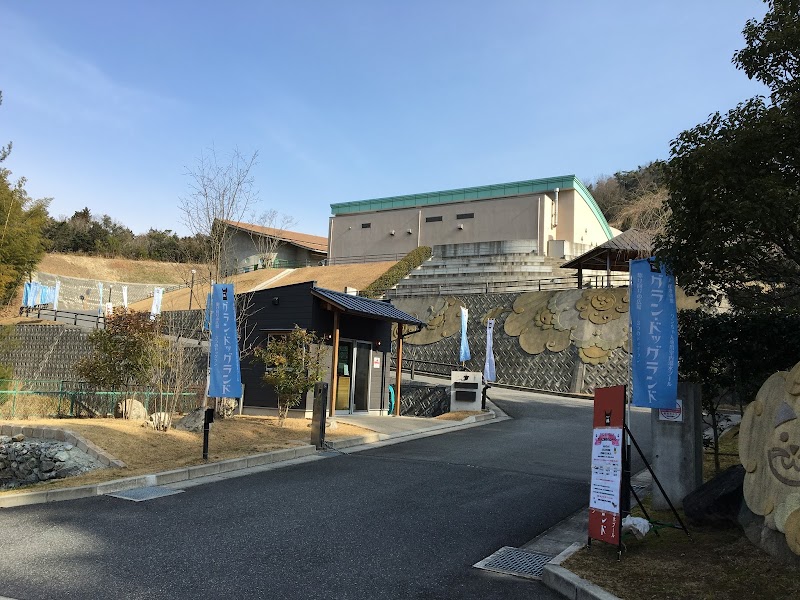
(145, 451)
(719, 563)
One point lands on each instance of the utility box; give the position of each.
(466, 390)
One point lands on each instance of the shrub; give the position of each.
(397, 272)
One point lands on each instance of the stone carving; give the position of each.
(130, 409)
(442, 315)
(769, 449)
(592, 320)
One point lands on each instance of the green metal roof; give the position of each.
(499, 190)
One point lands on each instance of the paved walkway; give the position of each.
(560, 541)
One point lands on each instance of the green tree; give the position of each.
(21, 223)
(734, 181)
(294, 364)
(124, 353)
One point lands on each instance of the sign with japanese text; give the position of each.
(654, 336)
(672, 414)
(608, 447)
(225, 379)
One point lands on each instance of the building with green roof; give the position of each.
(555, 216)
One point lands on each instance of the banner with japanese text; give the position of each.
(225, 379)
(654, 336)
(608, 449)
(464, 354)
(489, 373)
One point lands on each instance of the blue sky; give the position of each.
(107, 103)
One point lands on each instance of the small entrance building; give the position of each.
(356, 331)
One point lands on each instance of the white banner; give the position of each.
(157, 294)
(99, 298)
(488, 369)
(55, 295)
(125, 296)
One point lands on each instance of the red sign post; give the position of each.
(608, 450)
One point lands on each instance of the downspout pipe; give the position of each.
(555, 210)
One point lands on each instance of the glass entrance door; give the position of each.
(361, 380)
(353, 375)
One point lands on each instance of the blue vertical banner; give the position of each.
(225, 380)
(654, 336)
(464, 355)
(488, 368)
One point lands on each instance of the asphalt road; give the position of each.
(400, 521)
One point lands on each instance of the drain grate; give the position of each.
(144, 493)
(513, 561)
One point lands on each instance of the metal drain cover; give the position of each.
(513, 561)
(144, 493)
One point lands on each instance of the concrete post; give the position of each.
(678, 447)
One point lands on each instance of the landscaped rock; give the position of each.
(193, 421)
(160, 421)
(30, 461)
(130, 409)
(18, 438)
(716, 501)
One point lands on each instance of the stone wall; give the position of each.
(567, 341)
(53, 454)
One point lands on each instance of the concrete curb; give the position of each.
(219, 467)
(163, 478)
(566, 583)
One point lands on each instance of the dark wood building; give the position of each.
(357, 332)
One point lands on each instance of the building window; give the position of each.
(432, 219)
(366, 225)
(465, 216)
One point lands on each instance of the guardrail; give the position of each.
(81, 319)
(506, 287)
(348, 260)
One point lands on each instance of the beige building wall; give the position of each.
(526, 217)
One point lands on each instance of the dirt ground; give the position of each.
(117, 269)
(333, 277)
(145, 451)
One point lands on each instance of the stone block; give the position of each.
(37, 433)
(5, 429)
(104, 459)
(174, 476)
(118, 485)
(23, 499)
(233, 464)
(71, 438)
(81, 445)
(59, 435)
(84, 491)
(118, 464)
(28, 432)
(590, 591)
(561, 580)
(48, 433)
(258, 460)
(203, 470)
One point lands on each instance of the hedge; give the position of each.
(397, 272)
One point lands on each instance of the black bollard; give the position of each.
(209, 419)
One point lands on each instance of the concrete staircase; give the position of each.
(493, 273)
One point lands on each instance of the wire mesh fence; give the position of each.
(49, 398)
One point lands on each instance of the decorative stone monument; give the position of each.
(769, 448)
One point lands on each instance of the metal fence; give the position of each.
(407, 289)
(31, 398)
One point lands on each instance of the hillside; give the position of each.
(335, 277)
(117, 269)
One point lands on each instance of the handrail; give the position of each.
(498, 287)
(48, 314)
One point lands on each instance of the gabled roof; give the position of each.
(615, 253)
(315, 243)
(365, 307)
